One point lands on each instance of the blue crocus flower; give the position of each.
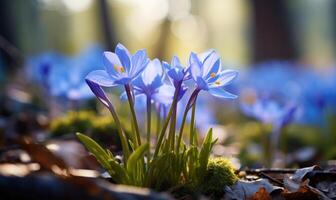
(206, 71)
(176, 72)
(150, 79)
(151, 84)
(271, 112)
(63, 76)
(120, 67)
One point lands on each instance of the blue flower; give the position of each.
(206, 72)
(151, 84)
(150, 79)
(120, 67)
(176, 72)
(271, 112)
(63, 76)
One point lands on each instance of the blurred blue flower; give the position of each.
(206, 71)
(40, 67)
(120, 67)
(63, 76)
(270, 112)
(281, 80)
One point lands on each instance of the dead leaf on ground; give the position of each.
(304, 192)
(246, 189)
(261, 194)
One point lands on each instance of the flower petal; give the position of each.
(211, 64)
(140, 69)
(123, 81)
(152, 71)
(166, 65)
(101, 77)
(176, 74)
(202, 56)
(110, 61)
(138, 84)
(124, 56)
(221, 93)
(164, 95)
(99, 92)
(176, 62)
(201, 84)
(195, 66)
(225, 77)
(139, 60)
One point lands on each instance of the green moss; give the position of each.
(220, 173)
(100, 128)
(72, 122)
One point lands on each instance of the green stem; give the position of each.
(158, 120)
(171, 136)
(192, 125)
(191, 102)
(137, 140)
(148, 125)
(164, 128)
(172, 129)
(181, 130)
(121, 134)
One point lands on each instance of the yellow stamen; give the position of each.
(212, 75)
(119, 68)
(217, 82)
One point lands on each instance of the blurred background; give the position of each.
(284, 50)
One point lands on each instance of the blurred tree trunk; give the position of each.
(271, 37)
(9, 35)
(107, 25)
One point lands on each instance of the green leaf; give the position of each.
(205, 152)
(101, 155)
(158, 164)
(135, 157)
(119, 172)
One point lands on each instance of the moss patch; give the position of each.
(220, 173)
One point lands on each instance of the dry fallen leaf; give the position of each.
(261, 194)
(304, 192)
(246, 189)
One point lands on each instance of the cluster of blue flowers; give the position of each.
(148, 77)
(160, 83)
(64, 76)
(277, 87)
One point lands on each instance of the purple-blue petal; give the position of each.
(99, 92)
(176, 74)
(221, 93)
(201, 84)
(110, 61)
(164, 95)
(211, 64)
(139, 59)
(224, 78)
(195, 66)
(101, 77)
(124, 57)
(123, 81)
(176, 62)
